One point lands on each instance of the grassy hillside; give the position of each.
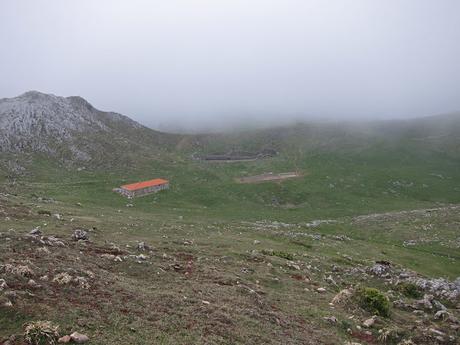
(234, 263)
(344, 172)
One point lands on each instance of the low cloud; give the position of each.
(207, 64)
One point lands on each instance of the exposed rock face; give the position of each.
(68, 128)
(440, 287)
(379, 270)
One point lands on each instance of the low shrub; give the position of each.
(280, 254)
(410, 290)
(374, 301)
(44, 212)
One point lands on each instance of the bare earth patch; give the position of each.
(268, 177)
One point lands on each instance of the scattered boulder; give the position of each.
(330, 280)
(331, 319)
(80, 234)
(108, 256)
(82, 282)
(370, 322)
(425, 302)
(293, 265)
(79, 338)
(440, 287)
(35, 231)
(342, 296)
(62, 278)
(21, 270)
(321, 290)
(65, 339)
(438, 305)
(43, 250)
(142, 246)
(3, 285)
(141, 257)
(380, 270)
(33, 284)
(436, 332)
(52, 241)
(441, 315)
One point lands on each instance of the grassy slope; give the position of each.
(344, 175)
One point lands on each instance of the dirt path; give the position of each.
(268, 177)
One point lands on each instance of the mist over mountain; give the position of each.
(72, 130)
(239, 172)
(209, 65)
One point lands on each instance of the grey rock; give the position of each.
(370, 322)
(79, 338)
(35, 231)
(438, 305)
(3, 285)
(379, 270)
(441, 315)
(80, 234)
(331, 319)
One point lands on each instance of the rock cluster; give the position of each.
(75, 337)
(80, 234)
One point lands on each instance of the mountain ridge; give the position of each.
(70, 128)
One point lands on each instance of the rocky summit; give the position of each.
(68, 128)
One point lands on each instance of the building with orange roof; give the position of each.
(143, 188)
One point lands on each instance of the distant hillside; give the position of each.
(72, 130)
(435, 133)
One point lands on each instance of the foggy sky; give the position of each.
(201, 63)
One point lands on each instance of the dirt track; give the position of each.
(268, 177)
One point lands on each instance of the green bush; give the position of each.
(409, 290)
(44, 212)
(374, 301)
(280, 254)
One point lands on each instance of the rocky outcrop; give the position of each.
(69, 128)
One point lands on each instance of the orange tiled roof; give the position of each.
(144, 184)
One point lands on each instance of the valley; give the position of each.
(215, 261)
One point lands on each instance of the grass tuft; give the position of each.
(41, 333)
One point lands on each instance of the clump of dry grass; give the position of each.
(389, 335)
(62, 278)
(41, 333)
(342, 297)
(21, 270)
